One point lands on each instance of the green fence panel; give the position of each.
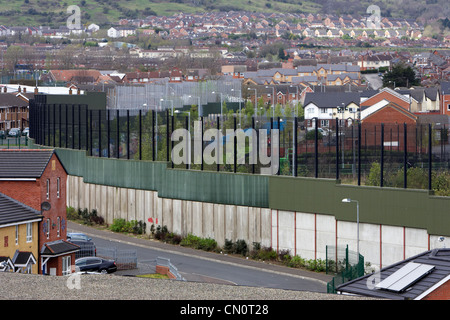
(214, 187)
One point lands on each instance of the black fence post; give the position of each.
(172, 142)
(167, 136)
(87, 129)
(140, 134)
(218, 144)
(359, 153)
(405, 157)
(108, 125)
(66, 145)
(128, 134)
(90, 132)
(382, 155)
(73, 126)
(235, 146)
(337, 149)
(201, 139)
(100, 133)
(79, 127)
(255, 156)
(294, 147)
(430, 156)
(316, 149)
(153, 134)
(188, 142)
(118, 135)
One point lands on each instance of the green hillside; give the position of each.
(103, 12)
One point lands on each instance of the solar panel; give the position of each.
(405, 277)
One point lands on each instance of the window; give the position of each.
(5, 241)
(66, 265)
(324, 123)
(17, 235)
(448, 107)
(58, 226)
(324, 110)
(48, 189)
(58, 186)
(29, 232)
(48, 228)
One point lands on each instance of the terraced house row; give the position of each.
(33, 225)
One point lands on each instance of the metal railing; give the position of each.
(164, 262)
(125, 259)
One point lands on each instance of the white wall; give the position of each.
(303, 234)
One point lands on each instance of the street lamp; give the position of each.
(240, 96)
(348, 200)
(256, 99)
(273, 100)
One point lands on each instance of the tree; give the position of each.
(400, 76)
(12, 56)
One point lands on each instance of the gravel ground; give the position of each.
(16, 286)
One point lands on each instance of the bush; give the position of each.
(206, 244)
(85, 216)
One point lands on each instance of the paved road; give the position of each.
(374, 80)
(200, 266)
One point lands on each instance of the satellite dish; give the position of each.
(45, 206)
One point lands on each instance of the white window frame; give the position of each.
(58, 227)
(48, 189)
(66, 265)
(58, 187)
(29, 232)
(48, 228)
(17, 235)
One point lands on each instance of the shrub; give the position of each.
(241, 247)
(206, 244)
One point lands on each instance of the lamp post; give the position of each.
(348, 200)
(240, 96)
(273, 100)
(256, 100)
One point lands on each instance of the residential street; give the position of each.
(201, 266)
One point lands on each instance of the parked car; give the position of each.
(26, 131)
(78, 236)
(2, 134)
(87, 248)
(14, 132)
(95, 264)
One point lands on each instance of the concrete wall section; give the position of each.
(304, 234)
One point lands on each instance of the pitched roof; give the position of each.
(58, 247)
(13, 211)
(331, 99)
(24, 163)
(438, 258)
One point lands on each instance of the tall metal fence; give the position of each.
(125, 259)
(395, 155)
(345, 264)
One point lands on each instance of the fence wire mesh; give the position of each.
(394, 155)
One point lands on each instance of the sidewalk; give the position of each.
(154, 244)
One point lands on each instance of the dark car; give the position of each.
(95, 264)
(87, 248)
(78, 236)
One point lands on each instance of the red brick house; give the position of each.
(393, 117)
(389, 95)
(37, 178)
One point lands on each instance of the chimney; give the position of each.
(36, 91)
(24, 90)
(78, 91)
(5, 89)
(70, 91)
(20, 89)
